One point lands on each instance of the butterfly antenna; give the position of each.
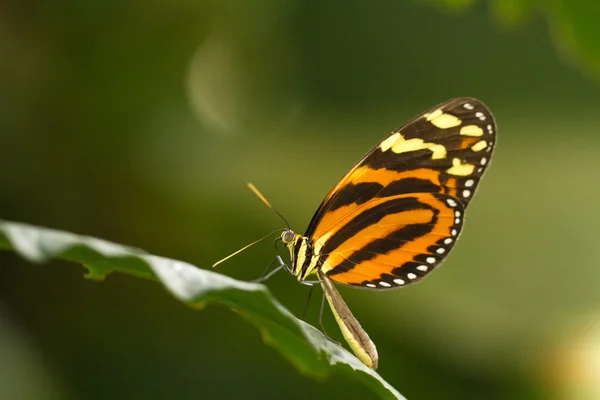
(246, 246)
(264, 200)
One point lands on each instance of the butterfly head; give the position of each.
(288, 236)
(300, 253)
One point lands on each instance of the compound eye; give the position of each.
(287, 236)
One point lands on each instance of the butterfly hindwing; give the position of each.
(394, 241)
(396, 214)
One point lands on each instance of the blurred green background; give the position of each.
(140, 122)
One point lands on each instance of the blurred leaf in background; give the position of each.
(140, 122)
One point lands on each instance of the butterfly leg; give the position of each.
(266, 275)
(310, 283)
(321, 322)
(307, 302)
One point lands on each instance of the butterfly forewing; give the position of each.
(397, 213)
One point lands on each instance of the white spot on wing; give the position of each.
(483, 161)
(410, 275)
(399, 281)
(430, 260)
(454, 232)
(441, 250)
(385, 284)
(469, 183)
(468, 106)
(451, 202)
(448, 241)
(370, 285)
(423, 268)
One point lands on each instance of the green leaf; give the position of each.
(302, 344)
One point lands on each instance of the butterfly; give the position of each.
(396, 215)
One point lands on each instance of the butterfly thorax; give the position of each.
(303, 258)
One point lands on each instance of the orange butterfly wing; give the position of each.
(397, 213)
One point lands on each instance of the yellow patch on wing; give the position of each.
(460, 169)
(482, 144)
(442, 120)
(389, 142)
(398, 144)
(432, 115)
(471, 130)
